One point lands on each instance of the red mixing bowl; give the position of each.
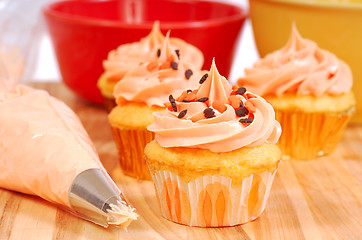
(84, 31)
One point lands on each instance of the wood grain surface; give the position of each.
(317, 199)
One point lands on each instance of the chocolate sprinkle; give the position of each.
(174, 65)
(173, 103)
(174, 106)
(203, 79)
(240, 91)
(188, 73)
(246, 120)
(241, 112)
(189, 90)
(241, 104)
(171, 99)
(158, 52)
(186, 101)
(209, 113)
(177, 51)
(182, 113)
(203, 99)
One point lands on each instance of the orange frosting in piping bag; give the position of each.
(128, 56)
(154, 80)
(44, 147)
(299, 68)
(37, 131)
(211, 122)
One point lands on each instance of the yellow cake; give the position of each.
(132, 115)
(310, 104)
(191, 163)
(106, 87)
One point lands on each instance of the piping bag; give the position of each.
(45, 151)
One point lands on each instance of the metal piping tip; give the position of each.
(96, 198)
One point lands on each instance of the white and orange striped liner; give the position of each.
(212, 201)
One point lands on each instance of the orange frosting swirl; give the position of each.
(299, 68)
(154, 80)
(220, 118)
(128, 56)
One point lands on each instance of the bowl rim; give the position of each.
(48, 11)
(320, 4)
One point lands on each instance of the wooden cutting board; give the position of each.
(318, 199)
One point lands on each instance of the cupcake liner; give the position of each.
(212, 201)
(130, 144)
(309, 135)
(109, 103)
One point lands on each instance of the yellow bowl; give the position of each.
(334, 25)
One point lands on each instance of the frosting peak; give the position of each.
(300, 68)
(216, 88)
(216, 116)
(155, 37)
(296, 42)
(128, 56)
(166, 52)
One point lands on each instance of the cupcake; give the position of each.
(310, 90)
(141, 92)
(130, 55)
(215, 156)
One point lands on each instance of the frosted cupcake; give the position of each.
(214, 156)
(142, 91)
(130, 55)
(310, 90)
